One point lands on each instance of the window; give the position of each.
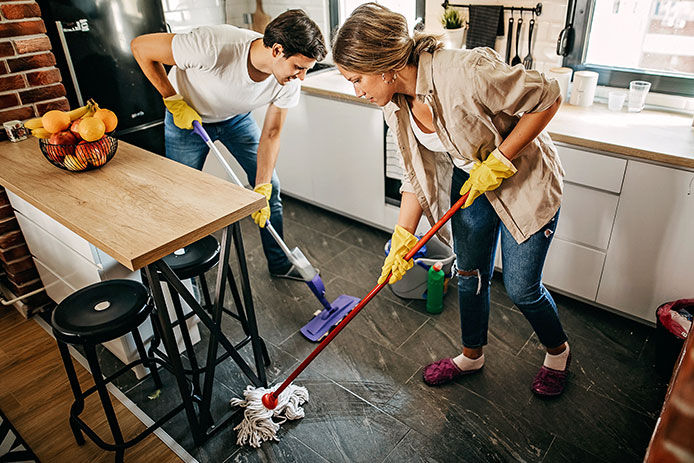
(340, 10)
(625, 40)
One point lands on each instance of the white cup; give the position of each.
(563, 76)
(615, 100)
(638, 89)
(583, 89)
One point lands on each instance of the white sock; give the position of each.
(466, 363)
(557, 362)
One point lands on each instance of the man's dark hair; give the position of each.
(297, 34)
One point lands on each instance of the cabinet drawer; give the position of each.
(591, 169)
(56, 288)
(587, 216)
(62, 233)
(573, 268)
(62, 260)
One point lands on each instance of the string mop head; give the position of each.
(261, 423)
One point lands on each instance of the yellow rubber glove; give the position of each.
(400, 244)
(263, 215)
(183, 115)
(487, 175)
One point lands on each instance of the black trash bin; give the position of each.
(671, 332)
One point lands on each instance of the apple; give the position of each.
(56, 153)
(63, 138)
(93, 153)
(75, 128)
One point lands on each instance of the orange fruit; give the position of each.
(108, 117)
(91, 128)
(55, 121)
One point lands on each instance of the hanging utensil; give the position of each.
(517, 59)
(528, 60)
(565, 43)
(509, 38)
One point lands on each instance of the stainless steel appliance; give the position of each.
(91, 41)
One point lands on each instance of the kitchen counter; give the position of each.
(658, 136)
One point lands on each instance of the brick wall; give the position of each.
(30, 84)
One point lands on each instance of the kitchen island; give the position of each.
(85, 227)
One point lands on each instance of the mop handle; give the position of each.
(352, 313)
(197, 128)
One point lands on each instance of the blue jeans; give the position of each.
(475, 232)
(240, 135)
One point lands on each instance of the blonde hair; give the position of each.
(375, 39)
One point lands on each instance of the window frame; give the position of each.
(672, 84)
(334, 15)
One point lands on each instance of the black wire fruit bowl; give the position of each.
(82, 156)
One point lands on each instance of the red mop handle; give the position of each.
(270, 399)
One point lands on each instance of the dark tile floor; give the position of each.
(367, 400)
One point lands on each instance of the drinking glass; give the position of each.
(615, 100)
(638, 89)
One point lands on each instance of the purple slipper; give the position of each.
(550, 382)
(443, 371)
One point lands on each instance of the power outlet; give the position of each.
(247, 18)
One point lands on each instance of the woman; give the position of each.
(465, 122)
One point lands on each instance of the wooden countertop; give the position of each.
(659, 136)
(138, 208)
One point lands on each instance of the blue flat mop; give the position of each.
(332, 313)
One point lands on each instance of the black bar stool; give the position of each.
(95, 314)
(192, 262)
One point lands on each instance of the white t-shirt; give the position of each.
(432, 142)
(211, 73)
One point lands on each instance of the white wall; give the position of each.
(183, 15)
(547, 28)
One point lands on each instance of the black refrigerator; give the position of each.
(91, 42)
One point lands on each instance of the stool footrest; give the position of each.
(84, 427)
(164, 359)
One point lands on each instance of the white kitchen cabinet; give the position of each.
(591, 169)
(650, 256)
(573, 268)
(586, 216)
(332, 156)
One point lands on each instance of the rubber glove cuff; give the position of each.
(487, 176)
(181, 111)
(261, 217)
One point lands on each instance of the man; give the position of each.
(221, 73)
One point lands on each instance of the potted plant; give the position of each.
(452, 22)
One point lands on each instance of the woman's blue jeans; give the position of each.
(475, 232)
(240, 135)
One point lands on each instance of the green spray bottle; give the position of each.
(435, 278)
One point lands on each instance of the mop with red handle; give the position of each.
(284, 401)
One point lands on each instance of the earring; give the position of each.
(395, 77)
